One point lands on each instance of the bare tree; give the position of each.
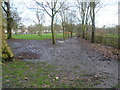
(54, 7)
(71, 20)
(12, 18)
(40, 20)
(82, 6)
(87, 16)
(63, 18)
(92, 15)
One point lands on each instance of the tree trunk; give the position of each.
(71, 34)
(118, 36)
(9, 33)
(7, 54)
(52, 30)
(83, 30)
(93, 23)
(63, 31)
(93, 33)
(86, 31)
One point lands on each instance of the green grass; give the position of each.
(24, 74)
(116, 86)
(36, 36)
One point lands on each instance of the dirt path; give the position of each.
(73, 57)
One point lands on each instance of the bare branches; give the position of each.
(61, 4)
(4, 9)
(48, 5)
(43, 6)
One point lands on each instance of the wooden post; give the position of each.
(119, 25)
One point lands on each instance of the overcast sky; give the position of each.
(107, 15)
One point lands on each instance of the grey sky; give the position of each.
(107, 15)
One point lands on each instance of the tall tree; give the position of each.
(7, 54)
(40, 20)
(7, 11)
(82, 6)
(71, 20)
(15, 19)
(87, 16)
(54, 7)
(92, 15)
(63, 12)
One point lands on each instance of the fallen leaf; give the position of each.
(64, 78)
(26, 78)
(96, 76)
(7, 80)
(89, 79)
(56, 77)
(6, 76)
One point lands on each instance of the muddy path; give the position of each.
(73, 57)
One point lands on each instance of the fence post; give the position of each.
(118, 37)
(101, 39)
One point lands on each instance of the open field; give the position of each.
(36, 36)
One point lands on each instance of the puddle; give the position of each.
(18, 44)
(61, 41)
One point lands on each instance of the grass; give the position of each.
(36, 36)
(24, 74)
(116, 86)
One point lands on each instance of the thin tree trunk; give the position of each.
(93, 21)
(83, 30)
(9, 34)
(63, 32)
(118, 36)
(93, 24)
(86, 31)
(83, 36)
(93, 33)
(52, 30)
(71, 34)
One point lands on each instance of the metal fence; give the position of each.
(110, 41)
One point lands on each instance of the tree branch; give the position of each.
(48, 5)
(4, 9)
(59, 7)
(42, 6)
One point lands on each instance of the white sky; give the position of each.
(107, 15)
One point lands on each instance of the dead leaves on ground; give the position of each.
(107, 51)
